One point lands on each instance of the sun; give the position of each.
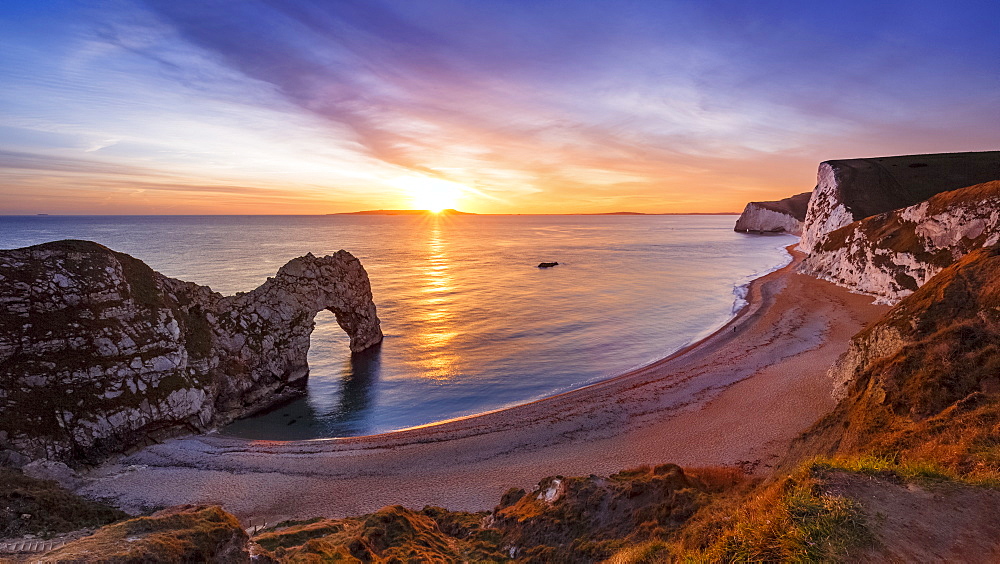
(432, 194)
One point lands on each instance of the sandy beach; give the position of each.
(735, 398)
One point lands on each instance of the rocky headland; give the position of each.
(891, 254)
(852, 189)
(780, 216)
(100, 354)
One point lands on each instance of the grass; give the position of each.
(790, 520)
(392, 534)
(44, 508)
(179, 534)
(922, 471)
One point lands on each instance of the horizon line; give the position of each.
(363, 212)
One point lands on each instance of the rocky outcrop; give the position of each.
(924, 380)
(583, 519)
(100, 354)
(892, 254)
(780, 216)
(853, 189)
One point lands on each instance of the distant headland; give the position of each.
(447, 211)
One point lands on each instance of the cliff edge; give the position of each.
(890, 255)
(100, 354)
(923, 383)
(853, 189)
(779, 216)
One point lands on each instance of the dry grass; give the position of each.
(178, 534)
(593, 518)
(790, 520)
(392, 534)
(44, 508)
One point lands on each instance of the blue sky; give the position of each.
(497, 106)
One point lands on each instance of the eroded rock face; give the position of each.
(780, 216)
(853, 189)
(923, 382)
(892, 254)
(100, 354)
(937, 345)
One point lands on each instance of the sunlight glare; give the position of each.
(433, 194)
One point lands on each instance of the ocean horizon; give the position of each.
(471, 323)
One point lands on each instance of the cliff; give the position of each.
(924, 381)
(890, 255)
(853, 189)
(100, 354)
(780, 216)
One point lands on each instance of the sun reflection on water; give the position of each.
(437, 330)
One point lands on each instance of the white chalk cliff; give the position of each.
(892, 254)
(780, 216)
(853, 189)
(100, 354)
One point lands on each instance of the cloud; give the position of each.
(532, 105)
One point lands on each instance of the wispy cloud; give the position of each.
(533, 106)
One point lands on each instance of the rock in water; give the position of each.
(780, 216)
(100, 354)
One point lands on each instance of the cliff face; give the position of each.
(853, 189)
(780, 216)
(100, 354)
(924, 381)
(892, 254)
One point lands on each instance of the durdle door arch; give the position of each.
(100, 354)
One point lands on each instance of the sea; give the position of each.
(471, 323)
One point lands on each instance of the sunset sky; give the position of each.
(518, 106)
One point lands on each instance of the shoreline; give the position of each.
(696, 340)
(723, 400)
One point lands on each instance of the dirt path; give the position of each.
(935, 523)
(737, 397)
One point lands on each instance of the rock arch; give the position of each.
(100, 353)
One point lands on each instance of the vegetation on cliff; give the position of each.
(179, 534)
(43, 508)
(935, 395)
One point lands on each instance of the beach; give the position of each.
(736, 398)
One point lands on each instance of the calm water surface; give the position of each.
(471, 324)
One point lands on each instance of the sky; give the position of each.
(488, 106)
